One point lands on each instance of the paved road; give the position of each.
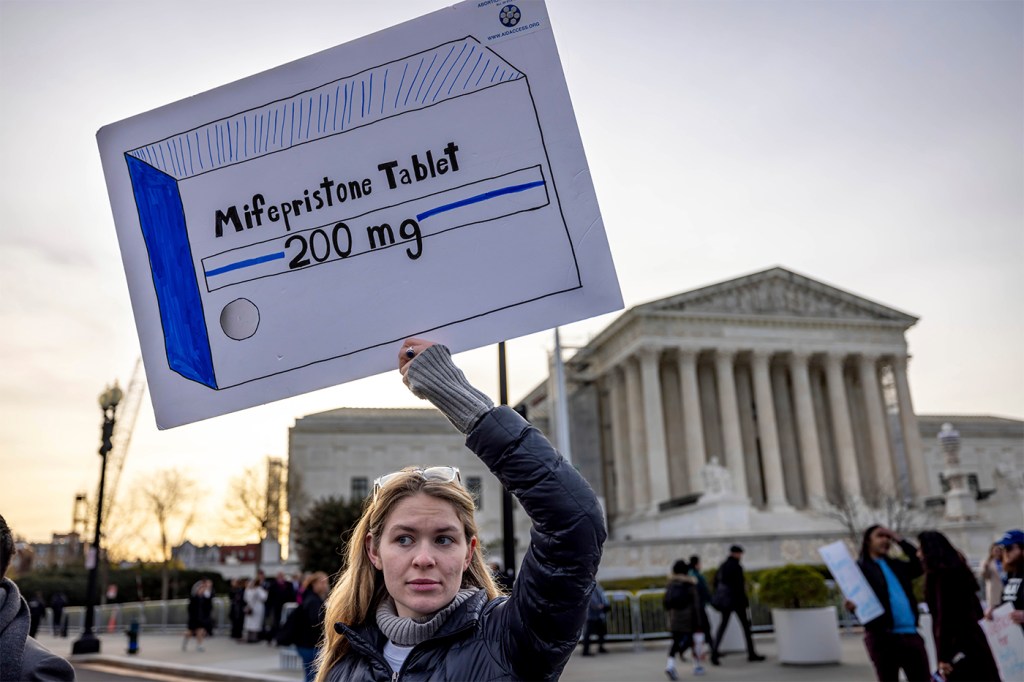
(260, 662)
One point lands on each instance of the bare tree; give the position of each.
(169, 499)
(882, 506)
(255, 502)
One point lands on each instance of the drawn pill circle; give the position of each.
(240, 319)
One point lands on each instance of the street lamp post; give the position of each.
(88, 643)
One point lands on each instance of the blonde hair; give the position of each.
(360, 587)
(311, 579)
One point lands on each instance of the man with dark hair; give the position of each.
(731, 597)
(1012, 543)
(891, 639)
(21, 656)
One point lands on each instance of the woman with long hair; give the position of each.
(950, 589)
(416, 599)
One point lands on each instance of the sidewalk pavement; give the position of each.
(224, 659)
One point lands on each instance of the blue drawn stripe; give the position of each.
(478, 58)
(351, 96)
(362, 101)
(383, 94)
(512, 189)
(369, 99)
(482, 72)
(419, 89)
(434, 79)
(454, 80)
(344, 106)
(448, 72)
(319, 112)
(401, 83)
(245, 263)
(336, 91)
(409, 91)
(309, 117)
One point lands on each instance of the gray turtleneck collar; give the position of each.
(412, 631)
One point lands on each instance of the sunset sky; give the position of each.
(876, 146)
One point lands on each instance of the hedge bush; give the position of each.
(793, 587)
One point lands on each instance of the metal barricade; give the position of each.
(620, 616)
(152, 616)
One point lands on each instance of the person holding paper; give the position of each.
(891, 639)
(951, 592)
(1012, 543)
(416, 600)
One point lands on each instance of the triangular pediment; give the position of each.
(778, 292)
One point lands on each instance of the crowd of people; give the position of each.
(416, 599)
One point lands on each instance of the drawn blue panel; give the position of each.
(181, 311)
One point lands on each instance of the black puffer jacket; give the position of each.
(531, 634)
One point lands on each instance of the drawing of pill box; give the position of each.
(243, 297)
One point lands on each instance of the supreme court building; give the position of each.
(736, 413)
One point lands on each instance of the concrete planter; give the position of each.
(807, 636)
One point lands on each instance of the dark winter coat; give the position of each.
(200, 612)
(953, 602)
(22, 657)
(682, 602)
(905, 571)
(530, 634)
(730, 586)
(306, 623)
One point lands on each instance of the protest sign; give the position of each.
(851, 581)
(285, 232)
(1006, 640)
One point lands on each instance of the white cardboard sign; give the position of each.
(851, 581)
(1006, 640)
(285, 232)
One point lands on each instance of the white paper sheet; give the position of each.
(851, 581)
(1006, 640)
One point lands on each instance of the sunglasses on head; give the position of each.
(440, 474)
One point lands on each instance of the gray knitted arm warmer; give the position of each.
(433, 376)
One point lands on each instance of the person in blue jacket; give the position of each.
(416, 600)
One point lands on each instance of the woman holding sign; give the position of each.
(416, 600)
(951, 592)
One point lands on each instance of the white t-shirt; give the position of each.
(395, 655)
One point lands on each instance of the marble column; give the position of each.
(881, 453)
(767, 431)
(637, 447)
(732, 442)
(807, 430)
(620, 442)
(693, 427)
(911, 432)
(846, 451)
(654, 427)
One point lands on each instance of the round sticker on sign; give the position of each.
(510, 15)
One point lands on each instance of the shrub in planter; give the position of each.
(793, 587)
(805, 633)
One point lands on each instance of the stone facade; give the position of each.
(341, 452)
(738, 412)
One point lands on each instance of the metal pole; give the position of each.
(561, 403)
(88, 643)
(507, 527)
